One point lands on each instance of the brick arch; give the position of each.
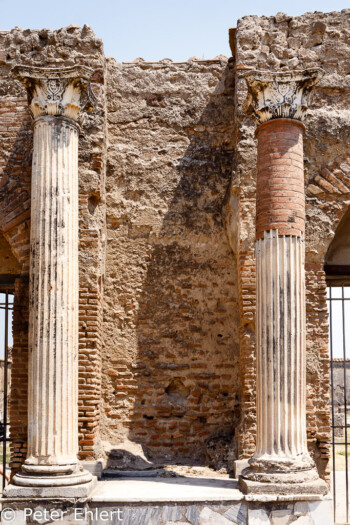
(15, 174)
(9, 265)
(328, 191)
(333, 179)
(15, 212)
(19, 240)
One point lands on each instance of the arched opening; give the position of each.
(9, 266)
(9, 271)
(337, 268)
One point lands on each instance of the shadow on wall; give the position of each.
(15, 178)
(184, 378)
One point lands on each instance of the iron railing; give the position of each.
(6, 306)
(339, 358)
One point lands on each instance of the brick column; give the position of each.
(56, 97)
(281, 463)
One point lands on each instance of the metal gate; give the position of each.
(338, 299)
(6, 307)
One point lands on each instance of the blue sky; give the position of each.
(153, 29)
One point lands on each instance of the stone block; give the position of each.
(70, 492)
(237, 514)
(239, 465)
(94, 467)
(20, 513)
(281, 516)
(304, 520)
(322, 511)
(73, 519)
(12, 516)
(172, 513)
(192, 515)
(209, 517)
(258, 516)
(134, 516)
(301, 507)
(318, 487)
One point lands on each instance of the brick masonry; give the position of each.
(280, 201)
(170, 376)
(19, 381)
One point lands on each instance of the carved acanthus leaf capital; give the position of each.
(280, 95)
(56, 91)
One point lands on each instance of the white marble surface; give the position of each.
(126, 490)
(322, 512)
(209, 517)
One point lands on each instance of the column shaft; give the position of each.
(280, 323)
(55, 96)
(280, 224)
(54, 277)
(281, 411)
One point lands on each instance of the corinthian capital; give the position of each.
(56, 91)
(280, 95)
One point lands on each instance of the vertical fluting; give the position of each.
(281, 410)
(53, 373)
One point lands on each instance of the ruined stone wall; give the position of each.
(45, 48)
(311, 40)
(170, 326)
(178, 333)
(170, 359)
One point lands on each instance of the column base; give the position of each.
(282, 476)
(318, 486)
(48, 481)
(32, 492)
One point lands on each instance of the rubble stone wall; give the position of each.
(170, 362)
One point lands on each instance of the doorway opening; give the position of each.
(337, 270)
(338, 300)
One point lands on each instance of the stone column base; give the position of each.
(318, 486)
(49, 489)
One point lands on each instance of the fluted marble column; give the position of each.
(281, 463)
(56, 97)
